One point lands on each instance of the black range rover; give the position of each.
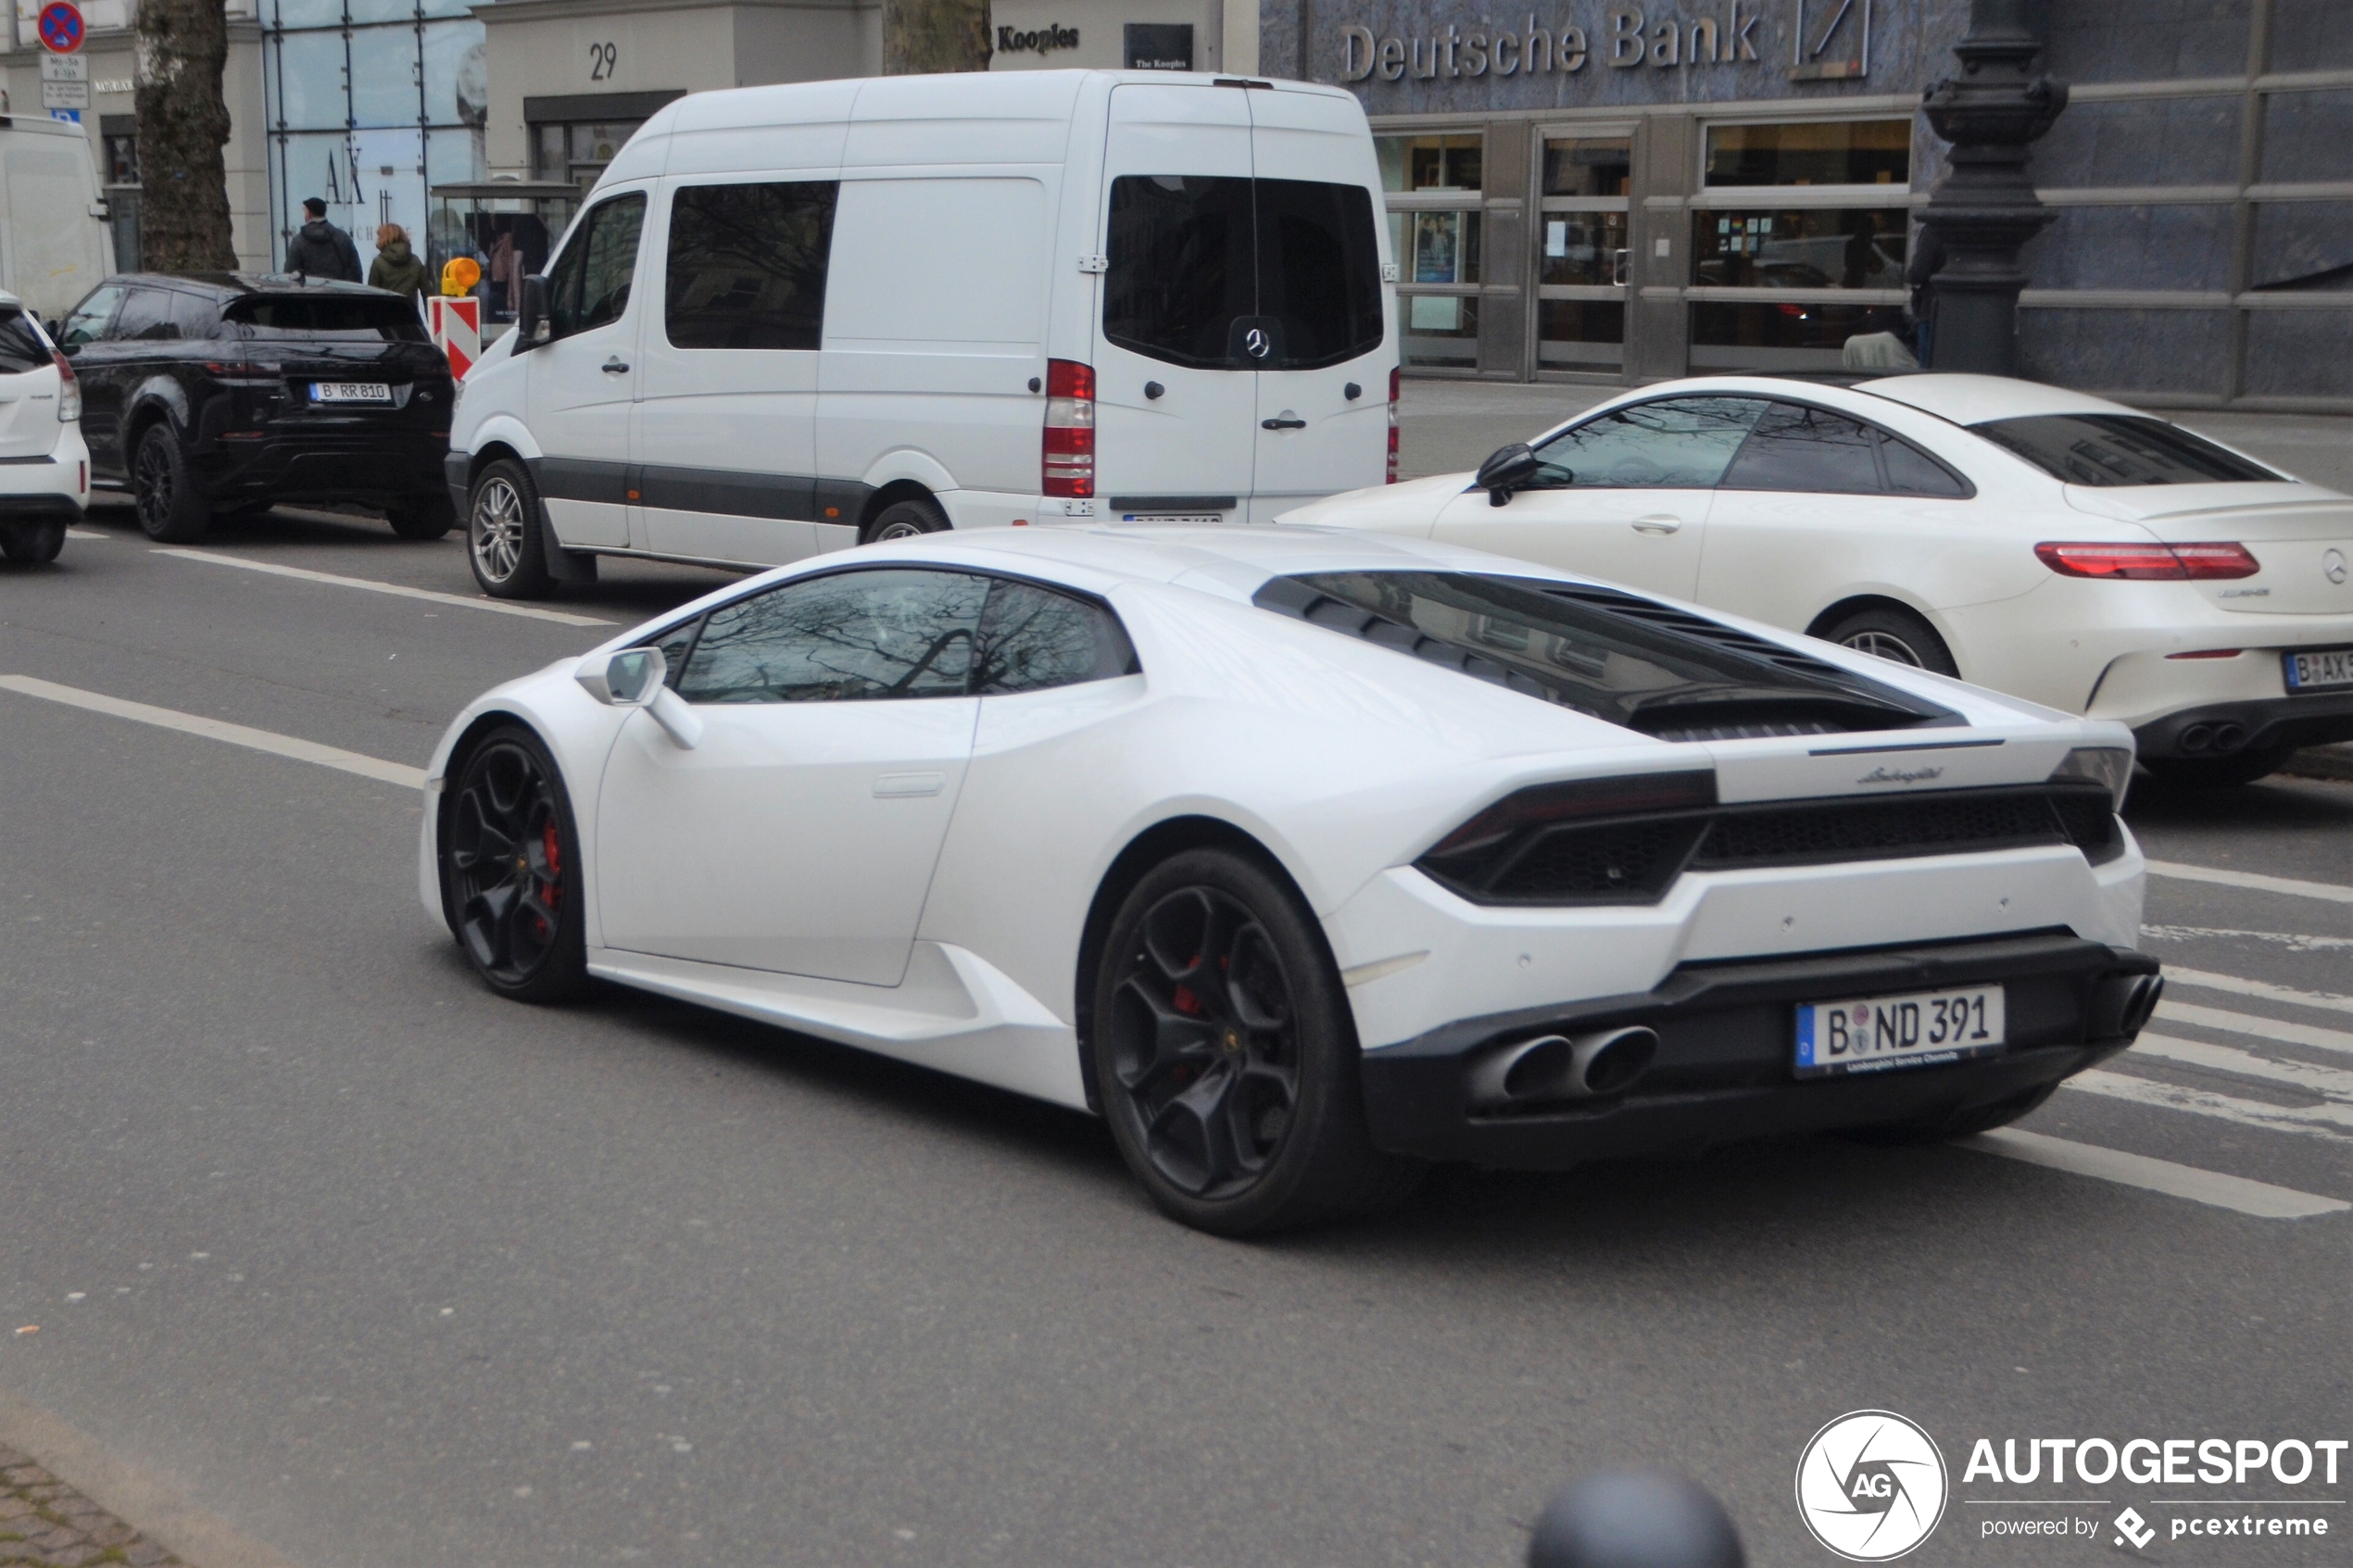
(218, 392)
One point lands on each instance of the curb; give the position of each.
(2321, 763)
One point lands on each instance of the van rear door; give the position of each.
(1176, 404)
(1323, 393)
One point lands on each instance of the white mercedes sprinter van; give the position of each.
(791, 320)
(55, 245)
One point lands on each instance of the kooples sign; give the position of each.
(1626, 38)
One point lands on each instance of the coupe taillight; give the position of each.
(1067, 466)
(1394, 388)
(69, 389)
(2173, 563)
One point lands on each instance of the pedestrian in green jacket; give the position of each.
(397, 267)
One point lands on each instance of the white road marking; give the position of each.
(2334, 1082)
(2295, 941)
(216, 729)
(2305, 1120)
(2335, 893)
(496, 606)
(2259, 1198)
(2262, 1028)
(2205, 980)
(86, 533)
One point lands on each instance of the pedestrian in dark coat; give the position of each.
(319, 249)
(397, 267)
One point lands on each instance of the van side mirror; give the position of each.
(1509, 468)
(531, 313)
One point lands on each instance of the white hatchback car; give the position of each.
(44, 469)
(2038, 541)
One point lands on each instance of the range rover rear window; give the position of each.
(2107, 450)
(1672, 677)
(349, 318)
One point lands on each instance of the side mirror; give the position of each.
(637, 678)
(531, 313)
(1509, 468)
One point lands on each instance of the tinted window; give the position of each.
(346, 318)
(851, 637)
(146, 315)
(1794, 447)
(1032, 638)
(1196, 260)
(88, 323)
(1680, 443)
(21, 345)
(193, 315)
(590, 283)
(2111, 449)
(748, 265)
(1911, 472)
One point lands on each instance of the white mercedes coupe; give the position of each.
(1305, 857)
(2058, 546)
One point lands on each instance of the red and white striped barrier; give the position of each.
(457, 327)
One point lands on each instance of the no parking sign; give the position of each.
(61, 28)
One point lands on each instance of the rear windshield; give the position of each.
(1199, 263)
(2112, 449)
(343, 319)
(1647, 667)
(21, 348)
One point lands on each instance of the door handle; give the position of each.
(1282, 425)
(616, 366)
(1661, 523)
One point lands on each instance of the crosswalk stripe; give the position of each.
(2204, 979)
(2239, 1193)
(2262, 1028)
(2332, 1080)
(2335, 893)
(2312, 1122)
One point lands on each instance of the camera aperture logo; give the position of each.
(1871, 1486)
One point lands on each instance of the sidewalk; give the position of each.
(44, 1521)
(1446, 426)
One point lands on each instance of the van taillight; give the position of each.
(1069, 452)
(1394, 387)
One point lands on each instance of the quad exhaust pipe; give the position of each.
(2210, 740)
(1562, 1067)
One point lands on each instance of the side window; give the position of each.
(1911, 472)
(89, 321)
(147, 316)
(1795, 448)
(850, 636)
(675, 645)
(590, 283)
(746, 265)
(194, 316)
(1032, 638)
(21, 345)
(1677, 442)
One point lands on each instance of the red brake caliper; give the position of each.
(553, 846)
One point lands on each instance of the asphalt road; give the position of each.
(383, 1272)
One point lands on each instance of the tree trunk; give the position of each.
(183, 123)
(920, 36)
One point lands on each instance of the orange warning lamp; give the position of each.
(460, 277)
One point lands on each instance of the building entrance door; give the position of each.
(1583, 176)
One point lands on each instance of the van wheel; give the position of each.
(31, 544)
(504, 542)
(904, 520)
(172, 508)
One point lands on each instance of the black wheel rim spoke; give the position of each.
(505, 863)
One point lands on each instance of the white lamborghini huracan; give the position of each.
(1305, 857)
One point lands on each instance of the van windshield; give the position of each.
(1198, 262)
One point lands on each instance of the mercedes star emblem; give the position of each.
(1255, 341)
(2333, 564)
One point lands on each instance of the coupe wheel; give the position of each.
(510, 871)
(172, 508)
(1224, 1057)
(907, 520)
(1896, 635)
(504, 542)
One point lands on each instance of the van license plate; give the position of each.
(1920, 1028)
(350, 392)
(1184, 519)
(2320, 670)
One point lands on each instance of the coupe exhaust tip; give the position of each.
(2122, 1004)
(1548, 1067)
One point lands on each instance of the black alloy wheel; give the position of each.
(1896, 635)
(421, 517)
(1224, 1056)
(172, 507)
(510, 871)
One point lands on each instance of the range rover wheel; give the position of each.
(511, 878)
(1224, 1055)
(172, 508)
(905, 519)
(1898, 636)
(31, 544)
(422, 517)
(504, 542)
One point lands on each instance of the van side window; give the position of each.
(747, 266)
(589, 284)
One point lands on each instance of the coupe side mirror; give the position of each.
(637, 678)
(531, 313)
(1508, 470)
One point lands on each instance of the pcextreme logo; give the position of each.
(1871, 1486)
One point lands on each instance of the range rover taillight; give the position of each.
(1068, 455)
